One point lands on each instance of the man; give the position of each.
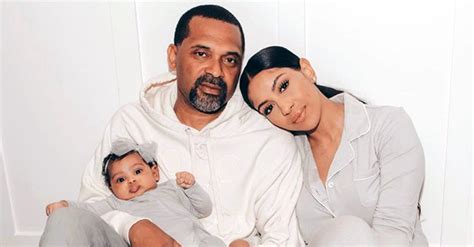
(250, 169)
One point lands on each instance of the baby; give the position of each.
(132, 173)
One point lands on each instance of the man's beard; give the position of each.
(208, 103)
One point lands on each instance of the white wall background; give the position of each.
(66, 67)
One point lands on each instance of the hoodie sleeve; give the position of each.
(93, 187)
(277, 194)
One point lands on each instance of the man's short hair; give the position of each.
(208, 11)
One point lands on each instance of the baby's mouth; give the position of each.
(134, 189)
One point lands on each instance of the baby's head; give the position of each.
(130, 169)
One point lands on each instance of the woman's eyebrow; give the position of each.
(275, 81)
(261, 104)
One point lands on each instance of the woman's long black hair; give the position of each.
(274, 57)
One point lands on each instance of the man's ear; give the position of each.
(307, 69)
(172, 54)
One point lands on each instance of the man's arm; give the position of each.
(277, 194)
(145, 233)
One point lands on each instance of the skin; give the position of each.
(289, 99)
(212, 47)
(131, 177)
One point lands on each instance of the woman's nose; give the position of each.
(286, 108)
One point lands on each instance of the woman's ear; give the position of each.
(172, 54)
(307, 69)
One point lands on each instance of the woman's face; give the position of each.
(287, 97)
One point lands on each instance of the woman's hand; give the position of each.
(144, 233)
(185, 179)
(55, 205)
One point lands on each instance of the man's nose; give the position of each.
(215, 68)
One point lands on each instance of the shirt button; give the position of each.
(331, 184)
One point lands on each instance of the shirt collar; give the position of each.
(356, 118)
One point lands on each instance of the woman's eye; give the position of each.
(267, 110)
(283, 86)
(138, 171)
(120, 180)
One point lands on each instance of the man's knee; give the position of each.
(65, 219)
(74, 226)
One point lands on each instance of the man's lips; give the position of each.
(209, 88)
(299, 115)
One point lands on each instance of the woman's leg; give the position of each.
(344, 230)
(78, 227)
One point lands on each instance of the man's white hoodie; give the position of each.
(251, 169)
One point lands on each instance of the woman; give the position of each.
(363, 165)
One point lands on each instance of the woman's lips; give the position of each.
(298, 117)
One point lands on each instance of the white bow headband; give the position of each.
(122, 146)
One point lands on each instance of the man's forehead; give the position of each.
(214, 34)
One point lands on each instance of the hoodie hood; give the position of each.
(159, 95)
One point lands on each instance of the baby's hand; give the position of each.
(55, 205)
(184, 179)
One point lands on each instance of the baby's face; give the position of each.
(131, 177)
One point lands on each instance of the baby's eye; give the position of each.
(120, 180)
(267, 110)
(283, 86)
(138, 171)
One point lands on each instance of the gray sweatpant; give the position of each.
(78, 227)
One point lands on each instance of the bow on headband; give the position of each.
(122, 146)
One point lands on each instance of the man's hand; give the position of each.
(185, 179)
(55, 205)
(144, 233)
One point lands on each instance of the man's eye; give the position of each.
(138, 171)
(267, 110)
(200, 54)
(120, 180)
(283, 86)
(231, 60)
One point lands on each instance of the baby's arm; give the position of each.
(99, 208)
(201, 205)
(55, 205)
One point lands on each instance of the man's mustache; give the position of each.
(209, 78)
